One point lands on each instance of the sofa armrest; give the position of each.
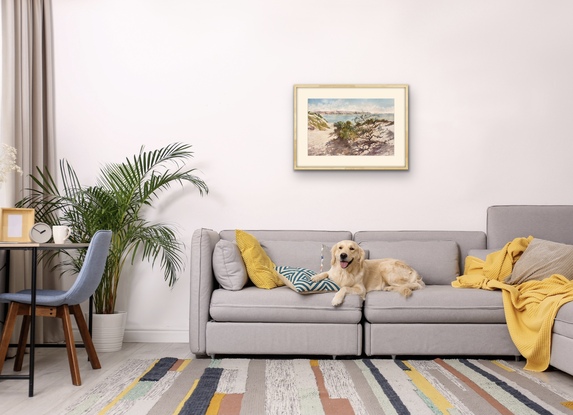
(202, 285)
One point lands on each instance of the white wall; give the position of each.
(491, 96)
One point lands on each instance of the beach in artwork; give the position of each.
(350, 127)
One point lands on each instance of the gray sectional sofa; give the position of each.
(438, 320)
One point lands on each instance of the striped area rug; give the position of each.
(309, 387)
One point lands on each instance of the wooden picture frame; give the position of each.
(15, 224)
(351, 127)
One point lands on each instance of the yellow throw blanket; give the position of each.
(530, 308)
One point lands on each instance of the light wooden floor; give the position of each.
(54, 390)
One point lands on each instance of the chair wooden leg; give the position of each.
(64, 314)
(86, 337)
(7, 333)
(25, 328)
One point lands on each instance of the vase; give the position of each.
(108, 330)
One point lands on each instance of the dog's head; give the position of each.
(347, 254)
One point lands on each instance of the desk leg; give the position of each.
(6, 281)
(33, 322)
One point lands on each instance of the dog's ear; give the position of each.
(362, 254)
(333, 254)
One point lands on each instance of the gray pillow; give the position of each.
(437, 262)
(541, 259)
(228, 266)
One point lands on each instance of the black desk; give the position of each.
(34, 248)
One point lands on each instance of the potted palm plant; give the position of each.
(117, 201)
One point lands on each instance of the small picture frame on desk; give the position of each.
(15, 224)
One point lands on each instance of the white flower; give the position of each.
(8, 162)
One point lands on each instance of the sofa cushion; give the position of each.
(541, 259)
(282, 305)
(437, 262)
(300, 280)
(435, 304)
(228, 266)
(301, 254)
(260, 268)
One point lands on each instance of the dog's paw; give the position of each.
(406, 292)
(336, 301)
(319, 277)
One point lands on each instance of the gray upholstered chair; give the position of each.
(60, 304)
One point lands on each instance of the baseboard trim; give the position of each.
(156, 336)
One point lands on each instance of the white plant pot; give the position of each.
(107, 331)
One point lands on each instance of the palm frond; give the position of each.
(115, 202)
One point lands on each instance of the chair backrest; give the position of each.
(91, 273)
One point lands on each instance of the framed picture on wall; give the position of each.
(351, 127)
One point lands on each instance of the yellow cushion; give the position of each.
(260, 267)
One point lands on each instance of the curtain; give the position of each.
(27, 120)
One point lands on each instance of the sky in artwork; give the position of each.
(372, 105)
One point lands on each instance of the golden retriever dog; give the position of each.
(357, 275)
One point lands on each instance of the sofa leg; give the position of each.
(393, 357)
(333, 357)
(213, 356)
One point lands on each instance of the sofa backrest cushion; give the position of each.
(466, 240)
(305, 254)
(549, 222)
(437, 262)
(296, 248)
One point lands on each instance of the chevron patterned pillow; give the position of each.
(299, 280)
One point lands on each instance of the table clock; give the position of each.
(40, 232)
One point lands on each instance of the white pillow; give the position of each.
(228, 266)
